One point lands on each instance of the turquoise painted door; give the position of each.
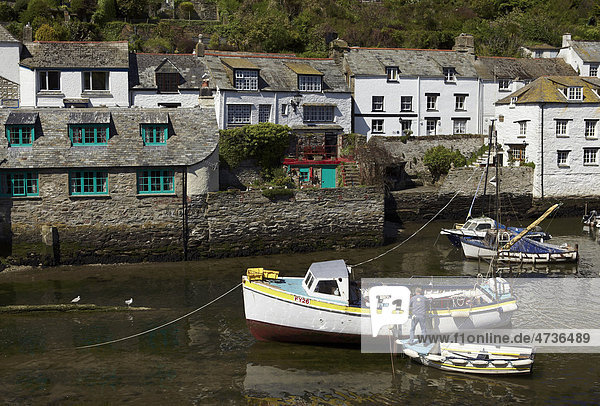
(327, 177)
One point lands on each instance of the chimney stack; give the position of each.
(566, 40)
(200, 47)
(27, 33)
(337, 48)
(464, 43)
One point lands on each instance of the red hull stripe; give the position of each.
(272, 332)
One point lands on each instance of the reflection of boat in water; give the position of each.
(591, 219)
(476, 228)
(327, 307)
(471, 358)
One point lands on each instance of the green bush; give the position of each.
(439, 160)
(277, 193)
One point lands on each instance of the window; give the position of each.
(88, 183)
(431, 126)
(264, 113)
(238, 113)
(590, 129)
(284, 109)
(503, 84)
(406, 103)
(449, 74)
(561, 128)
(590, 156)
(517, 153)
(88, 134)
(593, 70)
(377, 103)
(246, 79)
(167, 82)
(574, 93)
(49, 80)
(303, 175)
(19, 184)
(522, 128)
(406, 127)
(151, 181)
(460, 126)
(20, 135)
(95, 80)
(431, 102)
(513, 100)
(154, 134)
(562, 158)
(392, 73)
(377, 126)
(318, 113)
(310, 83)
(459, 103)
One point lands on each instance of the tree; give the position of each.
(105, 12)
(6, 12)
(187, 8)
(46, 33)
(132, 8)
(38, 8)
(440, 159)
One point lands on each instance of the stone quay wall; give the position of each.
(123, 227)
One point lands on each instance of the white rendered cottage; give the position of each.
(583, 56)
(10, 50)
(553, 122)
(74, 74)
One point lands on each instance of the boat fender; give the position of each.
(508, 307)
(458, 361)
(411, 353)
(479, 363)
(499, 363)
(522, 362)
(435, 358)
(460, 313)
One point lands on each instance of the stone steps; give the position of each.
(350, 174)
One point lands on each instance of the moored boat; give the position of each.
(326, 306)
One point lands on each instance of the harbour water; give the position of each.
(210, 358)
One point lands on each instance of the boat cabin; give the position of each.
(479, 224)
(329, 280)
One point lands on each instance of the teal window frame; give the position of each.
(304, 174)
(20, 135)
(154, 134)
(154, 181)
(19, 184)
(88, 183)
(91, 134)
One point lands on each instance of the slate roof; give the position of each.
(274, 74)
(588, 51)
(144, 66)
(69, 55)
(15, 118)
(411, 62)
(521, 68)
(6, 36)
(193, 136)
(550, 89)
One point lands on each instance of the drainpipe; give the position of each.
(542, 150)
(418, 106)
(184, 213)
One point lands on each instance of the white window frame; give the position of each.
(44, 83)
(590, 156)
(88, 81)
(520, 153)
(406, 101)
(318, 114)
(264, 113)
(239, 114)
(431, 126)
(246, 79)
(594, 70)
(459, 102)
(406, 125)
(392, 73)
(449, 74)
(377, 126)
(310, 83)
(377, 103)
(432, 102)
(562, 158)
(504, 85)
(590, 129)
(575, 93)
(459, 126)
(522, 128)
(561, 128)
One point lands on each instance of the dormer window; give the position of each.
(449, 74)
(575, 93)
(154, 134)
(503, 84)
(392, 73)
(309, 83)
(246, 79)
(167, 82)
(513, 100)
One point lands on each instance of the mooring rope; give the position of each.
(162, 325)
(419, 230)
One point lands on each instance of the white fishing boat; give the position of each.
(471, 358)
(325, 306)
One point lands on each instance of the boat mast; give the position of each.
(497, 209)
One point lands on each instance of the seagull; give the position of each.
(129, 302)
(77, 299)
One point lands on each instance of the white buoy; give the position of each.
(77, 299)
(129, 302)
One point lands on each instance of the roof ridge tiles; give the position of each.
(403, 49)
